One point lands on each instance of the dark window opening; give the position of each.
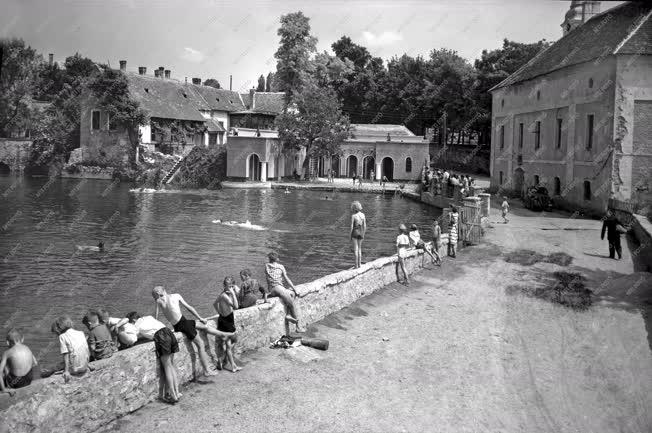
(500, 177)
(520, 135)
(589, 131)
(590, 83)
(502, 136)
(536, 179)
(559, 127)
(557, 186)
(95, 120)
(538, 94)
(587, 190)
(537, 135)
(408, 165)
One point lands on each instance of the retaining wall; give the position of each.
(129, 379)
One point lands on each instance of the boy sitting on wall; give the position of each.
(17, 363)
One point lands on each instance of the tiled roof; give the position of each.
(214, 126)
(172, 99)
(246, 100)
(363, 130)
(624, 29)
(168, 99)
(268, 102)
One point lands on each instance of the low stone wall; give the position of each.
(88, 172)
(642, 230)
(129, 379)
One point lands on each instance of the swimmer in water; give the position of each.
(287, 190)
(99, 248)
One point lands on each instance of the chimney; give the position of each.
(186, 80)
(196, 81)
(167, 73)
(252, 92)
(230, 82)
(123, 65)
(156, 73)
(51, 58)
(161, 70)
(142, 70)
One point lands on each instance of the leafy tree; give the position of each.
(261, 84)
(317, 124)
(19, 73)
(269, 83)
(213, 83)
(293, 54)
(330, 70)
(345, 48)
(111, 89)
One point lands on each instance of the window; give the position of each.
(502, 136)
(589, 132)
(502, 102)
(557, 186)
(537, 135)
(538, 94)
(536, 179)
(212, 139)
(559, 127)
(408, 165)
(500, 178)
(587, 190)
(520, 136)
(590, 83)
(95, 120)
(519, 160)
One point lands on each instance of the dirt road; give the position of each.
(460, 350)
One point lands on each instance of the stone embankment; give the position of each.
(129, 380)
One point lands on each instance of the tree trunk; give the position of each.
(306, 163)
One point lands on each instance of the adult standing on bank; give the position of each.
(358, 230)
(452, 235)
(614, 229)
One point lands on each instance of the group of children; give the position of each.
(106, 334)
(411, 239)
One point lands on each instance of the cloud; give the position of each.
(193, 55)
(385, 38)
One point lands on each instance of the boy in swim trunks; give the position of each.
(17, 363)
(171, 304)
(402, 245)
(225, 305)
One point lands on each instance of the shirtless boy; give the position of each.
(17, 363)
(225, 304)
(171, 304)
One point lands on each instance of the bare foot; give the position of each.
(236, 369)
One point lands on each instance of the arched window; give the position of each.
(557, 186)
(408, 165)
(587, 190)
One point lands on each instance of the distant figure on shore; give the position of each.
(402, 245)
(372, 176)
(225, 305)
(98, 249)
(276, 278)
(249, 290)
(383, 182)
(452, 235)
(171, 304)
(354, 177)
(505, 209)
(360, 181)
(17, 363)
(614, 229)
(358, 231)
(100, 341)
(436, 239)
(73, 347)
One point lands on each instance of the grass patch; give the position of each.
(529, 258)
(565, 288)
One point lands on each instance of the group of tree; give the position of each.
(443, 91)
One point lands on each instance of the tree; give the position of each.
(213, 83)
(330, 70)
(261, 84)
(111, 89)
(345, 48)
(293, 54)
(317, 124)
(269, 83)
(18, 81)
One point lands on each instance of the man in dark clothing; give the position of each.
(613, 235)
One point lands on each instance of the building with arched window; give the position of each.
(579, 114)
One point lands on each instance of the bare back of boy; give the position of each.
(18, 362)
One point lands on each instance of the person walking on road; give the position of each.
(614, 229)
(505, 209)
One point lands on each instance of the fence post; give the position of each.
(471, 220)
(485, 204)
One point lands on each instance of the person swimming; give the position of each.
(247, 224)
(99, 248)
(287, 190)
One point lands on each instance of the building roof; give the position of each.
(172, 99)
(376, 131)
(263, 103)
(214, 126)
(624, 29)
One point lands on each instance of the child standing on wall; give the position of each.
(100, 341)
(17, 363)
(402, 245)
(73, 347)
(225, 304)
(276, 278)
(436, 239)
(171, 306)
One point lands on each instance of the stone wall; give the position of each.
(129, 379)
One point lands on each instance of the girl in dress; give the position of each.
(249, 289)
(358, 230)
(452, 235)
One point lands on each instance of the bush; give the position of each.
(202, 168)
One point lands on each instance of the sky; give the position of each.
(215, 39)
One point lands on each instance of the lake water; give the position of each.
(166, 238)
